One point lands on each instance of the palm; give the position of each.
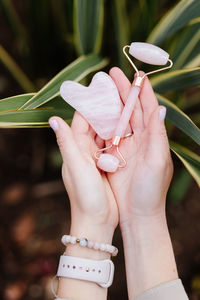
(98, 196)
(129, 182)
(133, 186)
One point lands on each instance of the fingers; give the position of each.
(148, 100)
(84, 134)
(158, 146)
(80, 126)
(65, 139)
(122, 83)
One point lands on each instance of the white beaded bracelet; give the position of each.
(83, 242)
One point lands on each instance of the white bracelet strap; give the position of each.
(83, 242)
(98, 271)
(53, 290)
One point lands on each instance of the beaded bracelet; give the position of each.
(83, 242)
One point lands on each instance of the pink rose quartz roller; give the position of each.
(149, 54)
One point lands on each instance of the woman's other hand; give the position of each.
(140, 189)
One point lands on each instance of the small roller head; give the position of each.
(108, 162)
(148, 53)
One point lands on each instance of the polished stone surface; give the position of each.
(99, 103)
(149, 53)
(108, 163)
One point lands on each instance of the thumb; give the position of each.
(158, 146)
(65, 139)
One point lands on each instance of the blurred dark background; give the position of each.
(34, 207)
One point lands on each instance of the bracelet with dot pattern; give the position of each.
(83, 242)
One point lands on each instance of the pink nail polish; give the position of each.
(162, 113)
(54, 124)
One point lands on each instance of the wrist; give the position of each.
(151, 218)
(146, 228)
(93, 232)
(149, 251)
(103, 217)
(99, 233)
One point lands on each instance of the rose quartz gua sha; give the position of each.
(99, 103)
(146, 53)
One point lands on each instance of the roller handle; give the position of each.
(127, 111)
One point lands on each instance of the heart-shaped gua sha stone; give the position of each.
(99, 103)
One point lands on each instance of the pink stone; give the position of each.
(149, 53)
(108, 162)
(99, 103)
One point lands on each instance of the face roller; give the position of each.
(146, 53)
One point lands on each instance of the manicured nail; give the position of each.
(54, 124)
(162, 113)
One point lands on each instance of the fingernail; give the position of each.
(162, 113)
(53, 124)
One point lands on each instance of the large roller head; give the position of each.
(149, 53)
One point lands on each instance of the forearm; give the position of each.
(78, 289)
(149, 254)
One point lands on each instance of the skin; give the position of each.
(134, 196)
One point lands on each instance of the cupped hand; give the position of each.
(140, 188)
(91, 197)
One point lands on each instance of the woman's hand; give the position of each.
(91, 197)
(140, 189)
(94, 213)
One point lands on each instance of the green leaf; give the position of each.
(176, 18)
(176, 80)
(190, 160)
(187, 48)
(194, 62)
(34, 117)
(180, 186)
(88, 25)
(75, 71)
(180, 119)
(18, 28)
(122, 30)
(14, 102)
(15, 70)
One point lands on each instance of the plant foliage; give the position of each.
(97, 30)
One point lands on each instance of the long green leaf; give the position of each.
(122, 30)
(188, 45)
(88, 25)
(190, 160)
(176, 80)
(15, 70)
(180, 119)
(176, 18)
(194, 62)
(14, 102)
(17, 26)
(38, 117)
(75, 71)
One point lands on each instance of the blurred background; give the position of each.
(40, 38)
